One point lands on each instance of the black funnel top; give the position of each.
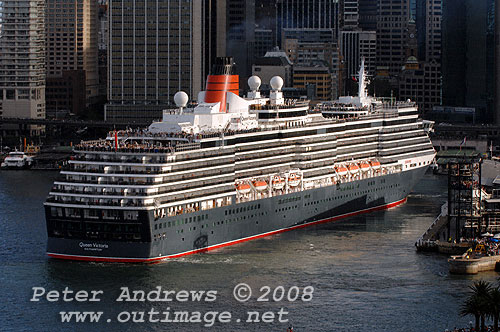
(223, 66)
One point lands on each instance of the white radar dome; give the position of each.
(181, 99)
(254, 83)
(276, 83)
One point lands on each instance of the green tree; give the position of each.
(494, 306)
(478, 303)
(472, 306)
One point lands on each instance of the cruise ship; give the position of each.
(231, 169)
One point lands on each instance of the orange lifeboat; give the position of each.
(294, 180)
(243, 188)
(341, 170)
(353, 168)
(260, 185)
(365, 167)
(278, 183)
(375, 165)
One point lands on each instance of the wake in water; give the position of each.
(420, 195)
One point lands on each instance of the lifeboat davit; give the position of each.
(353, 169)
(365, 167)
(342, 170)
(260, 185)
(278, 183)
(243, 188)
(294, 180)
(375, 165)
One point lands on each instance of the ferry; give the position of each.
(17, 160)
(231, 169)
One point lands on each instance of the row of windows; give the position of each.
(162, 236)
(364, 192)
(180, 222)
(242, 209)
(290, 199)
(287, 208)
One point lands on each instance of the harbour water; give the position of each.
(364, 270)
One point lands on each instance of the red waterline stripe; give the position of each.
(156, 259)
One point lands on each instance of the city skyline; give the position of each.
(143, 51)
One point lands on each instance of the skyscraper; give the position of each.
(349, 14)
(392, 32)
(72, 54)
(307, 15)
(356, 45)
(496, 61)
(468, 64)
(22, 59)
(420, 79)
(368, 12)
(157, 48)
(429, 15)
(241, 35)
(355, 42)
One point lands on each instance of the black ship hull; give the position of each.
(190, 233)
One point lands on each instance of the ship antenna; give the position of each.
(362, 80)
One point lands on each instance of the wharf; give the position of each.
(447, 248)
(465, 264)
(50, 161)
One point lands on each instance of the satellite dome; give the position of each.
(254, 82)
(181, 99)
(276, 83)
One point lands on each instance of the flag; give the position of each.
(116, 141)
(464, 141)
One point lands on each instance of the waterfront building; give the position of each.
(22, 61)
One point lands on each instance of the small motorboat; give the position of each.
(17, 160)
